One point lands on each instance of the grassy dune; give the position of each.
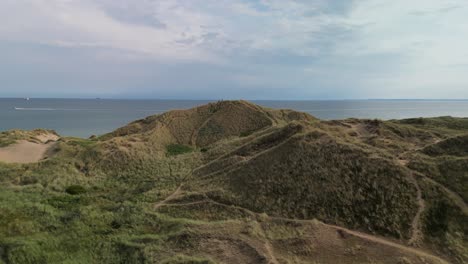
(231, 182)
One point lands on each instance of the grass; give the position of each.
(53, 212)
(12, 136)
(39, 225)
(181, 259)
(438, 122)
(93, 201)
(84, 143)
(443, 223)
(452, 172)
(353, 187)
(6, 142)
(455, 146)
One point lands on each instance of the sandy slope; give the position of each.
(24, 152)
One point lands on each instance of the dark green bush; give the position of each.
(177, 149)
(75, 189)
(245, 133)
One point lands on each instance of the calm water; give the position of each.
(83, 117)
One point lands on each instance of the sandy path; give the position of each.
(269, 251)
(24, 152)
(367, 237)
(389, 243)
(172, 196)
(417, 234)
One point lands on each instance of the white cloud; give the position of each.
(365, 47)
(82, 23)
(281, 26)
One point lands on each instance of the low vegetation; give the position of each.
(177, 149)
(232, 182)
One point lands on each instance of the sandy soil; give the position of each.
(25, 152)
(44, 138)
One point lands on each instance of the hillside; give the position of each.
(233, 182)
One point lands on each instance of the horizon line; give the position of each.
(237, 99)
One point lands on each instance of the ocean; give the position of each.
(86, 117)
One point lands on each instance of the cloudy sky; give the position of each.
(252, 49)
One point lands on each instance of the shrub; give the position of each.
(177, 149)
(246, 133)
(75, 189)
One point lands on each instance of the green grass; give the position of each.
(455, 146)
(444, 124)
(105, 220)
(93, 202)
(451, 172)
(84, 143)
(444, 223)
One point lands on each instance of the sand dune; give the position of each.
(25, 152)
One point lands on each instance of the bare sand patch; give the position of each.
(25, 151)
(47, 137)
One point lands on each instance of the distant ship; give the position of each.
(27, 98)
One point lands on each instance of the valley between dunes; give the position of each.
(233, 182)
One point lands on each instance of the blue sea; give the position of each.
(86, 117)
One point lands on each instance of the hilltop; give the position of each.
(233, 182)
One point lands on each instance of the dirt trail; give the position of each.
(268, 247)
(376, 240)
(245, 159)
(172, 196)
(194, 136)
(389, 243)
(416, 232)
(454, 196)
(368, 237)
(269, 250)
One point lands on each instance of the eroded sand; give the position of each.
(27, 152)
(44, 138)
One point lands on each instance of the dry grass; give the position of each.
(249, 191)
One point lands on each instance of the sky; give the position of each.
(234, 49)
